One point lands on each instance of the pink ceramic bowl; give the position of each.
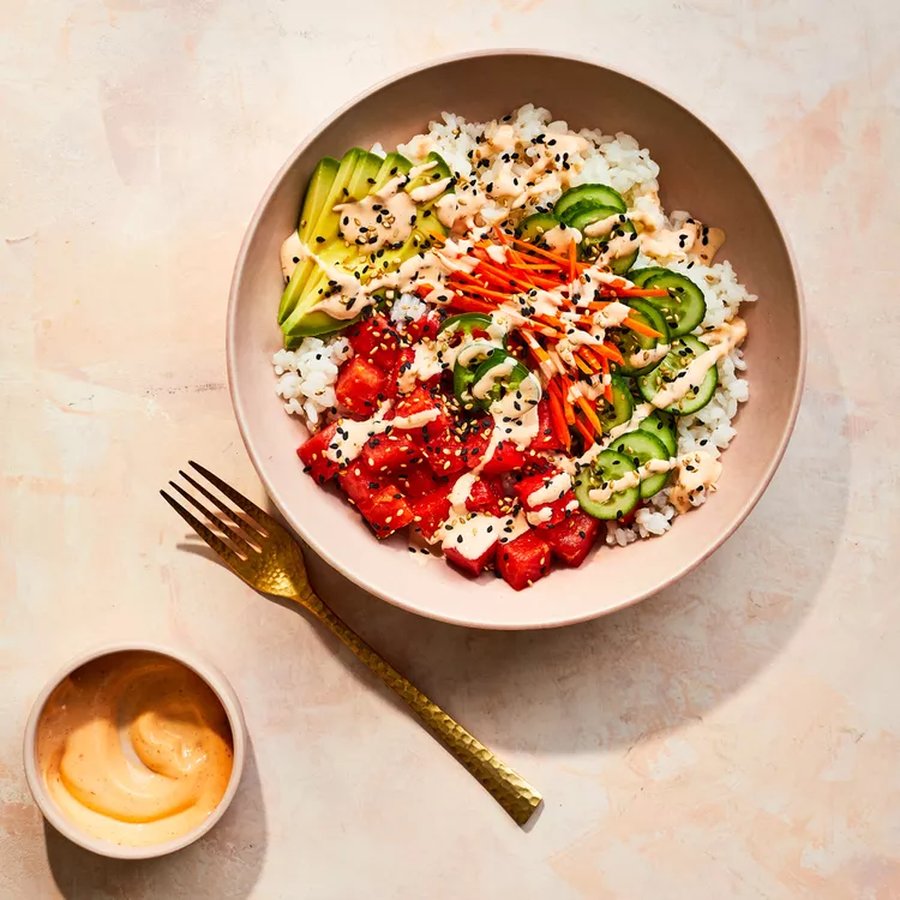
(699, 173)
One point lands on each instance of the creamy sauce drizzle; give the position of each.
(722, 341)
(697, 471)
(351, 436)
(384, 217)
(135, 748)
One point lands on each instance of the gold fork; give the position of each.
(266, 556)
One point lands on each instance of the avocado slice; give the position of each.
(394, 164)
(325, 226)
(363, 180)
(317, 191)
(437, 172)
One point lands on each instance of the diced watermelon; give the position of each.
(444, 453)
(374, 340)
(418, 480)
(475, 442)
(471, 566)
(394, 452)
(524, 560)
(312, 455)
(485, 496)
(559, 512)
(359, 387)
(527, 485)
(424, 327)
(359, 486)
(422, 399)
(387, 511)
(507, 457)
(402, 362)
(572, 539)
(545, 438)
(429, 511)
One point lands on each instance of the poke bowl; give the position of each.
(517, 357)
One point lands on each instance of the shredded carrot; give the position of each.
(572, 269)
(561, 260)
(469, 304)
(609, 290)
(583, 366)
(558, 419)
(585, 432)
(585, 406)
(586, 358)
(568, 409)
(607, 387)
(641, 328)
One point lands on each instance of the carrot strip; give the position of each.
(608, 290)
(583, 365)
(585, 432)
(607, 387)
(558, 419)
(475, 288)
(561, 260)
(587, 358)
(568, 409)
(641, 328)
(469, 304)
(585, 406)
(572, 269)
(488, 267)
(604, 350)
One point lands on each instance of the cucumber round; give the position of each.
(592, 247)
(640, 447)
(684, 308)
(621, 408)
(605, 467)
(586, 212)
(632, 342)
(533, 226)
(641, 276)
(684, 351)
(662, 426)
(601, 194)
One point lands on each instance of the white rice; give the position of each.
(307, 375)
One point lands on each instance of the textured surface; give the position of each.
(736, 736)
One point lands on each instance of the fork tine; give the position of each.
(224, 507)
(212, 539)
(240, 542)
(248, 506)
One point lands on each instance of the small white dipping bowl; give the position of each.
(47, 805)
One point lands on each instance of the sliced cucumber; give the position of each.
(662, 426)
(592, 247)
(587, 212)
(640, 447)
(437, 172)
(607, 466)
(684, 351)
(631, 342)
(621, 408)
(641, 276)
(601, 194)
(317, 191)
(684, 308)
(533, 226)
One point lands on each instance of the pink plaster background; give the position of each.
(735, 737)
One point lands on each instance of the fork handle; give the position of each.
(509, 789)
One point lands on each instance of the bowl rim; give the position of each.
(231, 316)
(216, 681)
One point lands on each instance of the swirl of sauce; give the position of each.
(135, 748)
